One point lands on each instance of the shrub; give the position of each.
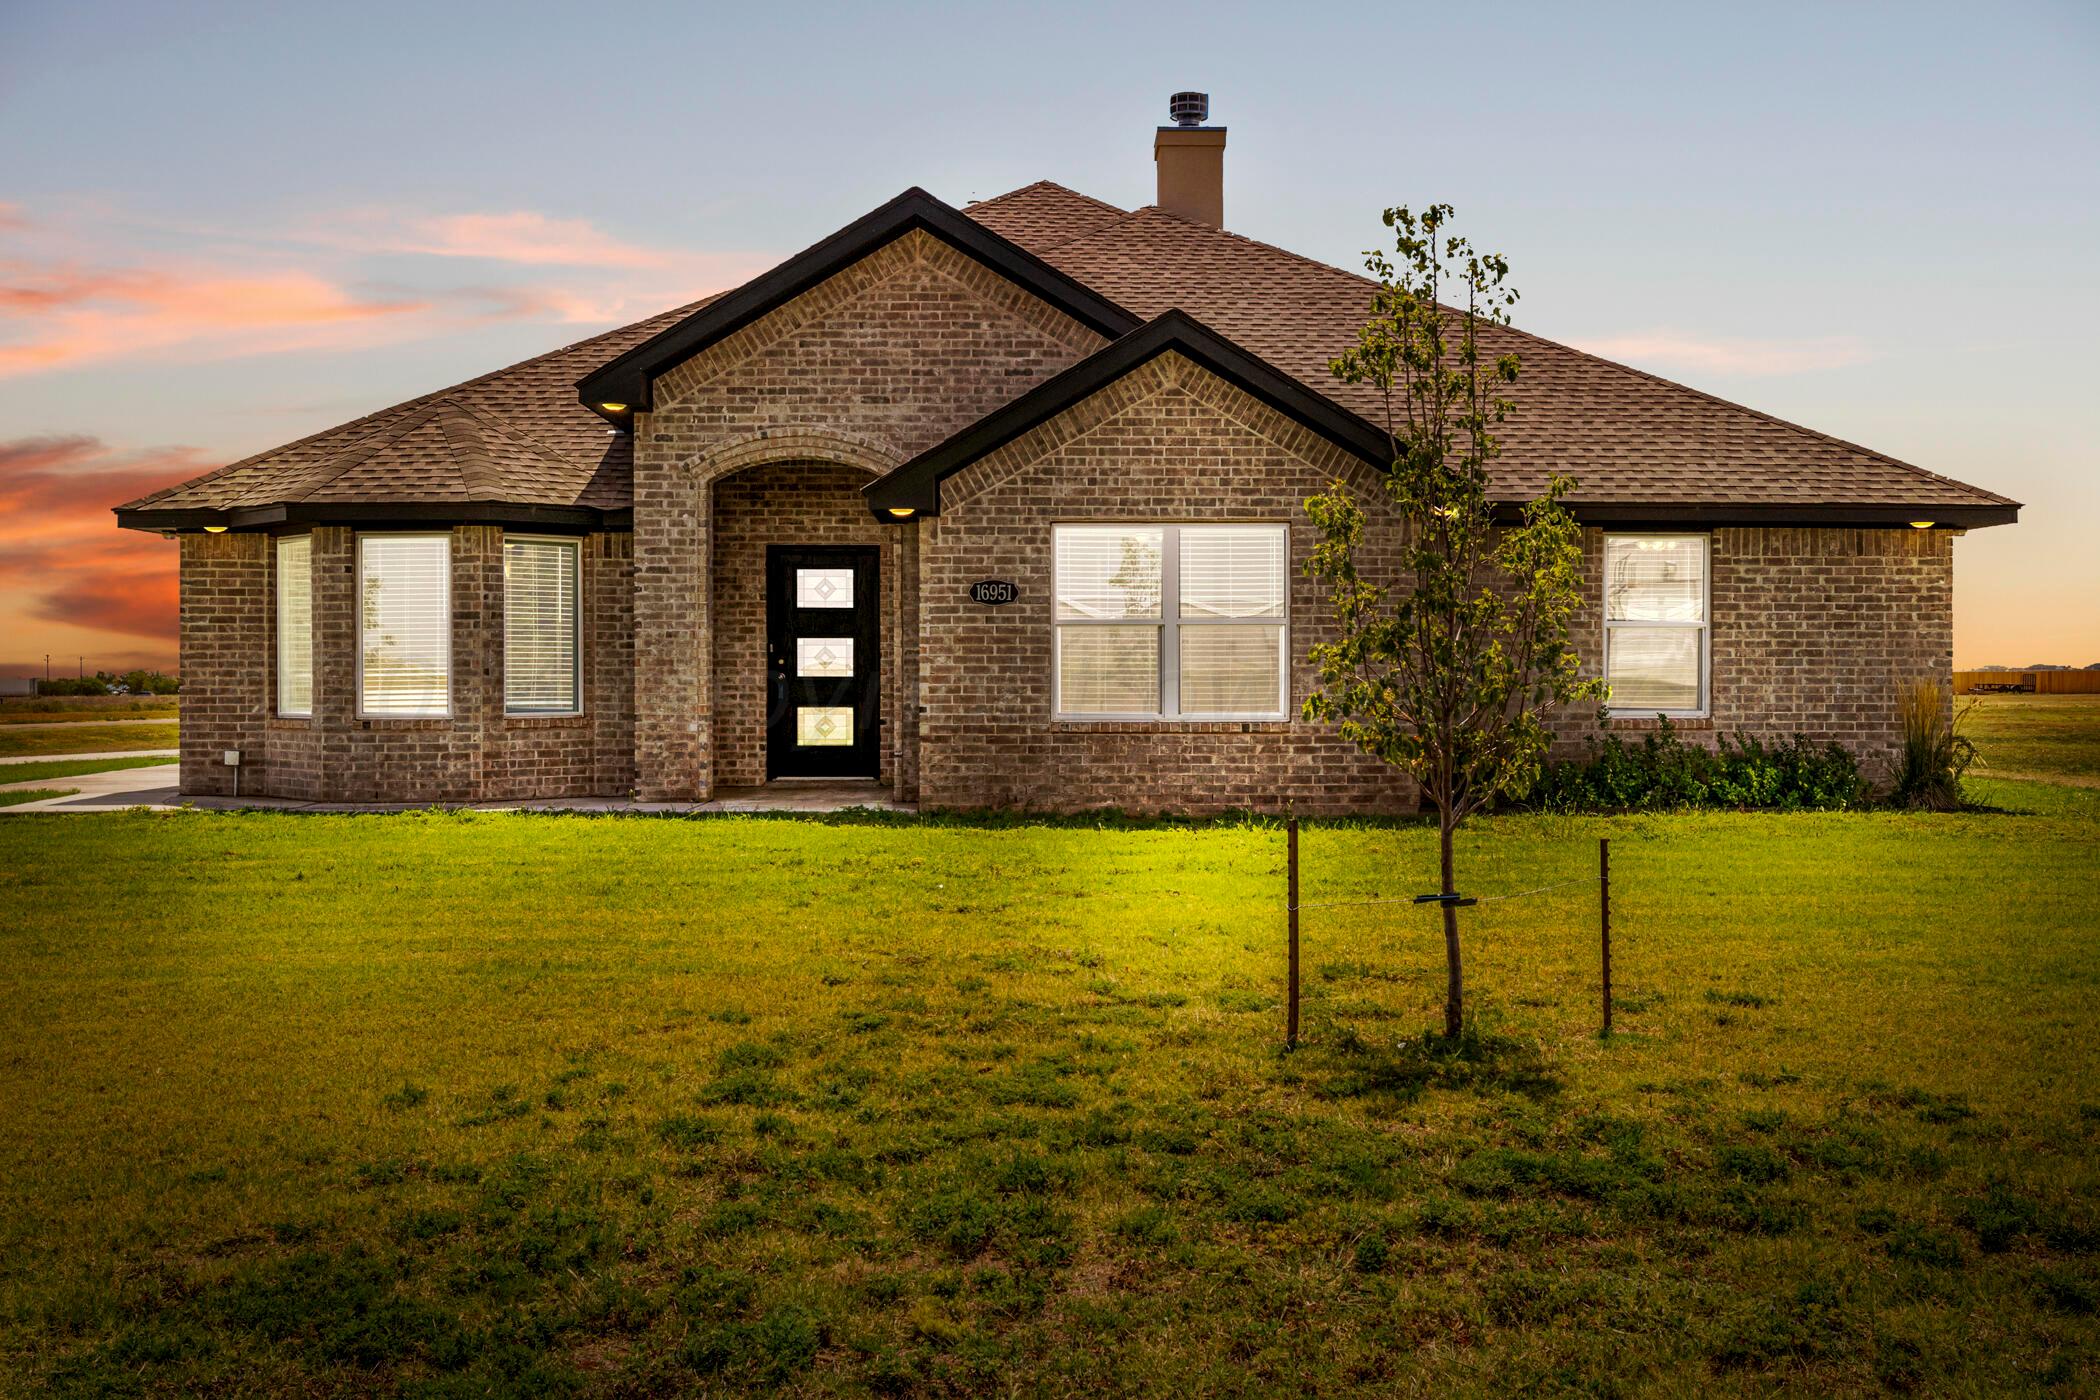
(1661, 771)
(1934, 757)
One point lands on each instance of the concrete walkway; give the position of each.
(155, 789)
(113, 791)
(85, 757)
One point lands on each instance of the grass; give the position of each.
(18, 796)
(87, 738)
(73, 767)
(83, 712)
(496, 1104)
(2047, 736)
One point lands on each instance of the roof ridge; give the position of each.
(1537, 338)
(353, 455)
(1046, 185)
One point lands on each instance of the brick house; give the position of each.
(994, 506)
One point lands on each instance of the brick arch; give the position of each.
(796, 444)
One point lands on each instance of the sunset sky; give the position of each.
(225, 226)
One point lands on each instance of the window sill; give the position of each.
(1064, 724)
(289, 723)
(404, 722)
(1638, 723)
(546, 721)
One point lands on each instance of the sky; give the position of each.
(223, 227)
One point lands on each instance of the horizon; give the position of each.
(1784, 211)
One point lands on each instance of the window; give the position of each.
(541, 675)
(295, 626)
(1171, 621)
(404, 591)
(1655, 624)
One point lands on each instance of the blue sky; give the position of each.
(222, 226)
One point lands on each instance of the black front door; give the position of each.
(823, 661)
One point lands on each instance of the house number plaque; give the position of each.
(993, 591)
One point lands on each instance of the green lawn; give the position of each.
(19, 796)
(2051, 736)
(83, 711)
(73, 767)
(498, 1104)
(87, 738)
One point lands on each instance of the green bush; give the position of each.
(1663, 772)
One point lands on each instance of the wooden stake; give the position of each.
(1290, 1034)
(1604, 918)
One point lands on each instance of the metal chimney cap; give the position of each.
(1189, 108)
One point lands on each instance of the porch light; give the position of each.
(215, 529)
(1921, 524)
(904, 512)
(613, 407)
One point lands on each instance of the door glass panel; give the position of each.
(824, 656)
(824, 588)
(824, 726)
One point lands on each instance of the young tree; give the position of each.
(1450, 674)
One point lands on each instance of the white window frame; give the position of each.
(1705, 623)
(1168, 625)
(277, 547)
(575, 548)
(359, 579)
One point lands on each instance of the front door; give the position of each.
(823, 661)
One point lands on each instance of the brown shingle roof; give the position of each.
(1633, 440)
(1625, 435)
(521, 427)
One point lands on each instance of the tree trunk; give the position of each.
(1455, 981)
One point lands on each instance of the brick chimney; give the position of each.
(1191, 161)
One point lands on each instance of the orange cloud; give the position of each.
(1728, 354)
(63, 560)
(67, 314)
(525, 237)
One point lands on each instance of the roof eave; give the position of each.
(371, 515)
(628, 379)
(1780, 515)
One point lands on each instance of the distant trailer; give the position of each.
(17, 685)
(2027, 682)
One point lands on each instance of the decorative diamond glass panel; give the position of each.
(1232, 571)
(1653, 669)
(1108, 670)
(1655, 578)
(1108, 572)
(823, 588)
(824, 726)
(824, 656)
(1231, 670)
(295, 625)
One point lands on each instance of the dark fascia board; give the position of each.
(628, 378)
(376, 514)
(916, 485)
(1721, 514)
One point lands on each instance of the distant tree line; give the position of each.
(112, 683)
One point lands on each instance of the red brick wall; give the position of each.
(476, 754)
(1169, 443)
(782, 503)
(225, 654)
(1814, 631)
(878, 362)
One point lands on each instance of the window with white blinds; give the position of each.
(295, 626)
(404, 592)
(1171, 621)
(1655, 624)
(541, 673)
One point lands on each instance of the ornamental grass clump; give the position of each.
(1929, 769)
